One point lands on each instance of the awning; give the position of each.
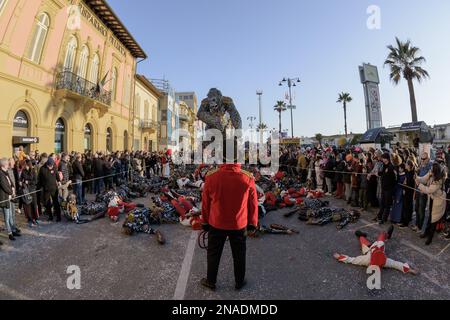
(377, 135)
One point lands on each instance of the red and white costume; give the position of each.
(374, 255)
(116, 206)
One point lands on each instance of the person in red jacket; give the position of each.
(229, 209)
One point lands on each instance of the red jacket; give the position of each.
(229, 200)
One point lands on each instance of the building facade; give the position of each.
(441, 134)
(67, 72)
(169, 121)
(190, 98)
(187, 124)
(146, 125)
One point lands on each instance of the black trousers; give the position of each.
(387, 199)
(431, 230)
(216, 242)
(53, 201)
(408, 207)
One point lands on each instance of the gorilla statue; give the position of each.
(213, 111)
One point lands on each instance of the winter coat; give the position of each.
(435, 191)
(330, 168)
(65, 171)
(78, 171)
(302, 163)
(98, 168)
(6, 190)
(48, 181)
(388, 178)
(339, 169)
(347, 177)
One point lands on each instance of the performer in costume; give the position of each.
(374, 254)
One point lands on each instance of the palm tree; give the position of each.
(345, 98)
(319, 138)
(280, 107)
(404, 61)
(262, 127)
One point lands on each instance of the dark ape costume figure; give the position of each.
(273, 229)
(213, 112)
(324, 216)
(220, 113)
(316, 212)
(140, 221)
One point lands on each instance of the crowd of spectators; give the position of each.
(407, 189)
(35, 184)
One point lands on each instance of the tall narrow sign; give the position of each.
(370, 80)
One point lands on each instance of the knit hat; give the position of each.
(50, 162)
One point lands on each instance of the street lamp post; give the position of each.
(291, 82)
(259, 93)
(251, 119)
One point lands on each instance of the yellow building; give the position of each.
(146, 104)
(187, 122)
(67, 71)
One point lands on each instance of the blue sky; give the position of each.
(240, 46)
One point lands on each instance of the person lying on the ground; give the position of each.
(373, 254)
(140, 221)
(273, 229)
(324, 216)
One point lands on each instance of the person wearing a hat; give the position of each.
(49, 183)
(388, 183)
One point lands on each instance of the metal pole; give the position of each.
(260, 119)
(290, 106)
(260, 93)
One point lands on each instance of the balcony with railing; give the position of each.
(71, 85)
(148, 125)
(184, 117)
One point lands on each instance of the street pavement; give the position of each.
(116, 266)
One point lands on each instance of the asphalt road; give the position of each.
(115, 266)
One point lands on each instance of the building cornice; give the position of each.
(148, 85)
(106, 14)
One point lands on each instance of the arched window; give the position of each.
(88, 137)
(82, 66)
(109, 137)
(114, 84)
(95, 65)
(39, 36)
(21, 124)
(60, 136)
(71, 52)
(2, 5)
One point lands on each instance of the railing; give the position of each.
(148, 124)
(70, 81)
